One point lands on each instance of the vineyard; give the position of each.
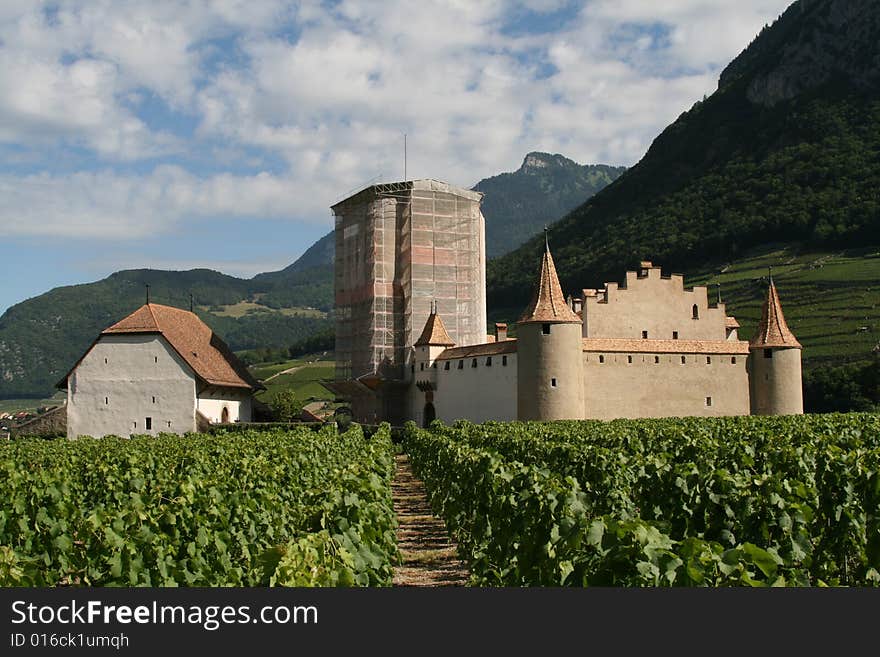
(758, 501)
(282, 507)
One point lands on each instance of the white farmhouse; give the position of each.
(161, 369)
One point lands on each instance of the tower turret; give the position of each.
(433, 341)
(775, 384)
(549, 356)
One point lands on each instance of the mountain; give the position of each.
(42, 337)
(519, 204)
(785, 153)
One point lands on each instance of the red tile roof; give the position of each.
(773, 331)
(193, 340)
(489, 349)
(548, 304)
(633, 345)
(434, 333)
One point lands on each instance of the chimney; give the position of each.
(500, 331)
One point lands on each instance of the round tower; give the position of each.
(775, 383)
(549, 358)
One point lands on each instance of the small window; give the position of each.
(601, 359)
(149, 423)
(169, 424)
(421, 367)
(708, 360)
(504, 361)
(461, 364)
(446, 365)
(629, 359)
(644, 335)
(683, 360)
(545, 329)
(106, 400)
(733, 360)
(434, 365)
(768, 353)
(154, 399)
(105, 361)
(695, 312)
(155, 359)
(134, 425)
(656, 359)
(488, 361)
(675, 335)
(552, 383)
(474, 362)
(708, 401)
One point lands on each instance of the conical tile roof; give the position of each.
(434, 334)
(548, 304)
(773, 331)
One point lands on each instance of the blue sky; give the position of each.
(176, 134)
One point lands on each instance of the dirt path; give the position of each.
(429, 555)
(289, 370)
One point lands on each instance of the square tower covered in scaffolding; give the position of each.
(400, 246)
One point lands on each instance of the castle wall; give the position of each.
(776, 383)
(660, 306)
(466, 392)
(617, 388)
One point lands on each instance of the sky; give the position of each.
(176, 134)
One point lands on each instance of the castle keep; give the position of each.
(646, 347)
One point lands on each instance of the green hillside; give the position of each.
(517, 205)
(781, 153)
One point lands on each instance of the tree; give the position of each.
(285, 406)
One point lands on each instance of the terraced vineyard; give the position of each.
(293, 507)
(712, 502)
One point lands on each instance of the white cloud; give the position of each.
(331, 91)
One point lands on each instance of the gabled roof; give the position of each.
(489, 349)
(434, 334)
(194, 341)
(773, 331)
(548, 304)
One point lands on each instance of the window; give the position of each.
(446, 366)
(601, 359)
(474, 362)
(545, 329)
(154, 399)
(708, 360)
(434, 365)
(488, 361)
(695, 312)
(683, 360)
(552, 383)
(461, 364)
(149, 423)
(768, 353)
(733, 360)
(169, 424)
(421, 367)
(105, 361)
(629, 359)
(708, 401)
(656, 359)
(504, 361)
(134, 425)
(644, 335)
(106, 400)
(675, 335)
(155, 359)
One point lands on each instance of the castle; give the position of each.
(411, 255)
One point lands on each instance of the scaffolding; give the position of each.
(400, 246)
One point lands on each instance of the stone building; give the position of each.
(158, 370)
(399, 248)
(645, 347)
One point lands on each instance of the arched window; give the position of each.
(224, 416)
(696, 312)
